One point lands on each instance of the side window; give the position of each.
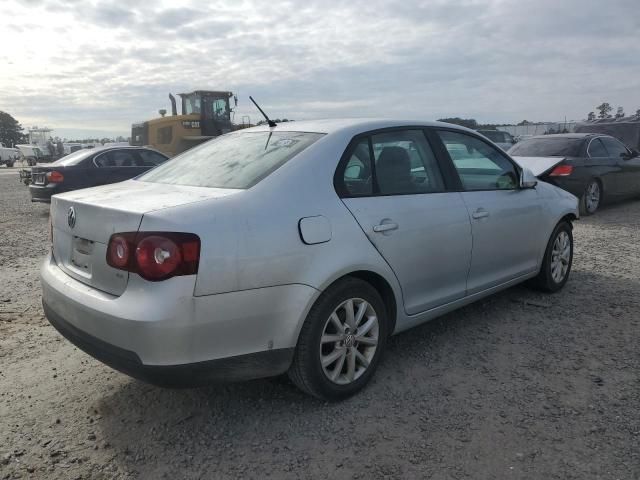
(405, 163)
(479, 165)
(596, 149)
(614, 147)
(117, 158)
(151, 158)
(356, 177)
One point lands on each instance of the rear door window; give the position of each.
(118, 158)
(151, 158)
(357, 175)
(597, 150)
(405, 163)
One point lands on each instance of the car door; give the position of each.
(392, 183)
(599, 164)
(628, 175)
(506, 221)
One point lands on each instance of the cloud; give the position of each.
(108, 64)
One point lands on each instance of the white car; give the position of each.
(297, 248)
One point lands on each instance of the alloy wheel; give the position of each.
(592, 197)
(560, 257)
(349, 341)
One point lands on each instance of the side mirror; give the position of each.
(633, 154)
(528, 179)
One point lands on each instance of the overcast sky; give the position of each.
(76, 64)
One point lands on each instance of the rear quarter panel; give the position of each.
(251, 239)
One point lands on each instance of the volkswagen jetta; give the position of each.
(298, 249)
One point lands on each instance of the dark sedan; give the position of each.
(593, 167)
(89, 168)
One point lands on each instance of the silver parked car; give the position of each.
(298, 249)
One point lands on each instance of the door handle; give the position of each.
(385, 227)
(480, 213)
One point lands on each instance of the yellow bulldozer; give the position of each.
(204, 114)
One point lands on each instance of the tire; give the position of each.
(307, 371)
(549, 278)
(10, 164)
(591, 198)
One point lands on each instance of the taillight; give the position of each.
(55, 177)
(561, 171)
(155, 256)
(118, 251)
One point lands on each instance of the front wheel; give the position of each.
(341, 341)
(557, 261)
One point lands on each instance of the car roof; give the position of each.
(350, 125)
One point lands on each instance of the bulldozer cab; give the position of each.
(213, 108)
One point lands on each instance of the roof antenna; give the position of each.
(269, 121)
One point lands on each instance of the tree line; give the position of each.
(605, 109)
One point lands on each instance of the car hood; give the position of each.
(538, 165)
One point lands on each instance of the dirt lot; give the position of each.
(521, 385)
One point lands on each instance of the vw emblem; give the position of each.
(71, 217)
(349, 341)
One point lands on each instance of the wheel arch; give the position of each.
(569, 218)
(382, 286)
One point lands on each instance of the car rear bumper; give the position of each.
(42, 193)
(161, 333)
(572, 185)
(241, 367)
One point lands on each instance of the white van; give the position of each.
(31, 153)
(8, 156)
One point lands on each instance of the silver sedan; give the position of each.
(298, 248)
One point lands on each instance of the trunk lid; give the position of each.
(39, 173)
(84, 220)
(538, 165)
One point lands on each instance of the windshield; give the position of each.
(73, 158)
(237, 160)
(547, 147)
(497, 136)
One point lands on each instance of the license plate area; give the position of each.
(81, 253)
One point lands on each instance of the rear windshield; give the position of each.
(497, 136)
(239, 160)
(73, 158)
(547, 147)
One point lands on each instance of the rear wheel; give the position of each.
(557, 261)
(341, 341)
(591, 198)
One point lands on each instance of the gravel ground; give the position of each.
(520, 385)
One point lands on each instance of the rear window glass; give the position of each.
(74, 158)
(547, 147)
(238, 160)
